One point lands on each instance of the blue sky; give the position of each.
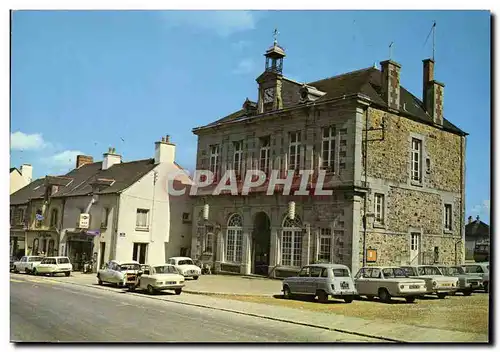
(82, 81)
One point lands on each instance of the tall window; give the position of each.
(328, 148)
(291, 242)
(294, 151)
(447, 216)
(104, 219)
(214, 158)
(265, 147)
(416, 160)
(234, 239)
(35, 246)
(379, 208)
(50, 249)
(53, 218)
(238, 152)
(141, 220)
(325, 244)
(20, 216)
(209, 243)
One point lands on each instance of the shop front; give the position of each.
(41, 243)
(79, 248)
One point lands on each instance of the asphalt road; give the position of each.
(49, 311)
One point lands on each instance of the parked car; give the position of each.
(27, 264)
(186, 266)
(466, 283)
(12, 261)
(321, 280)
(386, 282)
(54, 265)
(482, 270)
(436, 282)
(159, 278)
(120, 273)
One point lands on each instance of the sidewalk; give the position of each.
(382, 329)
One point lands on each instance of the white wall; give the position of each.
(17, 181)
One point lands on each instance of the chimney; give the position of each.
(110, 159)
(83, 159)
(164, 151)
(470, 219)
(390, 83)
(433, 93)
(27, 172)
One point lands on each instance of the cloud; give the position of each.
(244, 67)
(224, 23)
(23, 141)
(241, 45)
(482, 209)
(63, 159)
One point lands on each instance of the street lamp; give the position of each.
(291, 210)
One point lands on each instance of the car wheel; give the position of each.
(35, 272)
(99, 281)
(151, 290)
(384, 295)
(467, 292)
(322, 296)
(178, 291)
(370, 297)
(195, 277)
(67, 273)
(287, 294)
(26, 270)
(441, 295)
(486, 286)
(14, 269)
(410, 299)
(348, 299)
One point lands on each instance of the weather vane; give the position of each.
(275, 35)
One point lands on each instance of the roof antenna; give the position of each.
(433, 31)
(390, 50)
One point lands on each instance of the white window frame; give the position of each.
(139, 214)
(328, 163)
(295, 143)
(214, 159)
(234, 239)
(325, 250)
(416, 160)
(237, 157)
(264, 154)
(448, 217)
(291, 242)
(379, 208)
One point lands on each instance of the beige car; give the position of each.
(435, 281)
(386, 282)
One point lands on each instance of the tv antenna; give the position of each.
(433, 31)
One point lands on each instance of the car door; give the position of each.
(299, 282)
(318, 278)
(22, 264)
(360, 281)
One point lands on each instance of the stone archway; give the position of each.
(261, 244)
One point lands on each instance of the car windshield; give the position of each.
(473, 269)
(428, 270)
(35, 259)
(63, 260)
(129, 266)
(165, 269)
(394, 272)
(454, 270)
(410, 271)
(340, 272)
(185, 262)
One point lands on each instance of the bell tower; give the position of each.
(270, 80)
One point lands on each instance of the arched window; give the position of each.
(291, 242)
(234, 239)
(50, 250)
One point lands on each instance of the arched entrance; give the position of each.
(261, 243)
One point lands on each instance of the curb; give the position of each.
(205, 293)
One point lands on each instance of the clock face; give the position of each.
(268, 95)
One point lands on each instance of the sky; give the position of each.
(84, 81)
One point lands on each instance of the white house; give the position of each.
(121, 210)
(20, 178)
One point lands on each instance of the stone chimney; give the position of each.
(390, 83)
(433, 93)
(27, 172)
(164, 151)
(110, 159)
(470, 219)
(83, 159)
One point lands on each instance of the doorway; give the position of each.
(139, 253)
(414, 248)
(261, 243)
(102, 250)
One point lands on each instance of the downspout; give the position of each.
(365, 202)
(114, 234)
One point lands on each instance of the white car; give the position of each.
(386, 282)
(160, 278)
(54, 265)
(120, 273)
(27, 264)
(435, 281)
(479, 269)
(322, 280)
(186, 266)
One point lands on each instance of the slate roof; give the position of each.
(12, 169)
(123, 174)
(365, 81)
(477, 228)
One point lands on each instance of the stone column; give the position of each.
(357, 235)
(220, 249)
(273, 250)
(316, 244)
(246, 260)
(306, 243)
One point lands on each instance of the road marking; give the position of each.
(42, 280)
(14, 280)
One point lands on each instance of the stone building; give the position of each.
(394, 163)
(477, 232)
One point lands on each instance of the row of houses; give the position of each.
(395, 166)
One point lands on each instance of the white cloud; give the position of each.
(244, 67)
(222, 22)
(23, 141)
(482, 209)
(63, 159)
